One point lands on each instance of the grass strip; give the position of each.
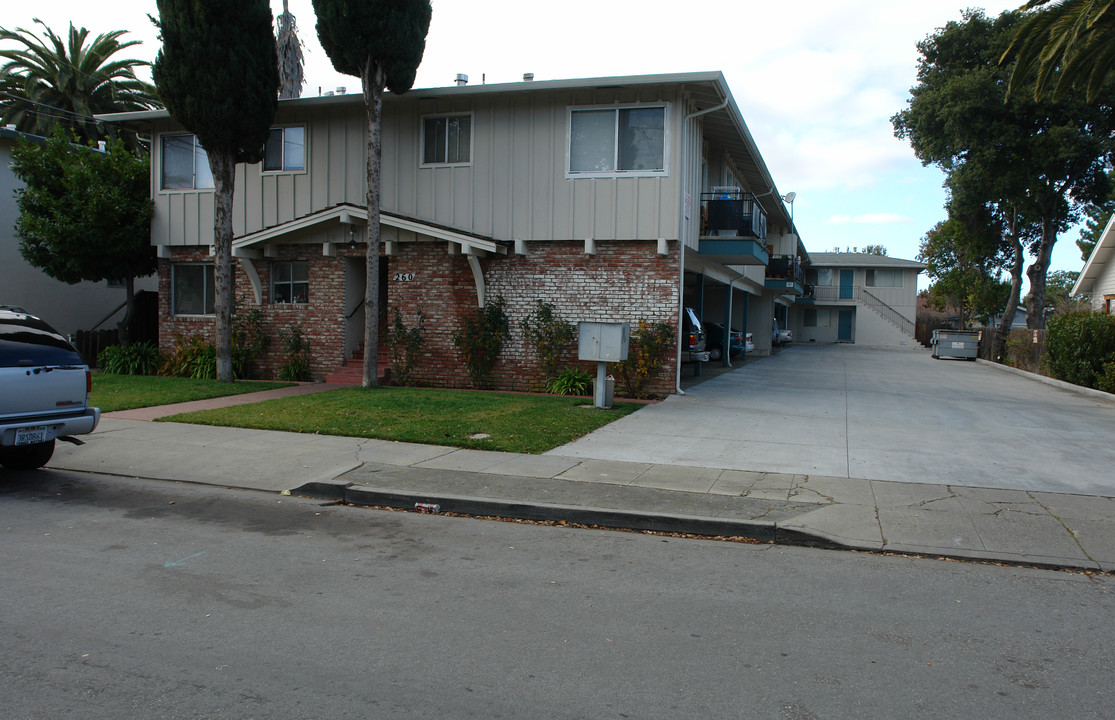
(126, 392)
(459, 418)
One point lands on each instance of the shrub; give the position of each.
(191, 357)
(480, 339)
(296, 353)
(1078, 345)
(550, 337)
(570, 381)
(136, 359)
(1106, 380)
(249, 341)
(405, 344)
(646, 352)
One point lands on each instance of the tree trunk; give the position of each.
(1035, 316)
(1017, 263)
(124, 328)
(374, 80)
(223, 168)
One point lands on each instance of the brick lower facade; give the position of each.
(624, 281)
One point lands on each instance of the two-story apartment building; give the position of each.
(593, 195)
(858, 297)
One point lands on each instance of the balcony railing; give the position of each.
(787, 267)
(730, 212)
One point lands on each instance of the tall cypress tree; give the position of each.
(217, 74)
(381, 42)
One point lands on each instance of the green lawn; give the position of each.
(510, 422)
(124, 392)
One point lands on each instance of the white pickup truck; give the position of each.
(44, 391)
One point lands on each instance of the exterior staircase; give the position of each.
(351, 371)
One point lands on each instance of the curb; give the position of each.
(768, 532)
(1079, 390)
(548, 512)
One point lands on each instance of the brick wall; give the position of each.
(624, 282)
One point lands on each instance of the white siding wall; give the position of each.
(1104, 285)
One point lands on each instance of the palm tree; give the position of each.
(289, 48)
(1069, 44)
(46, 82)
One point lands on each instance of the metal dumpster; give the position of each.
(956, 343)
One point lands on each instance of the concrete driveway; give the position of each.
(879, 414)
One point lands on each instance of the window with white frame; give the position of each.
(884, 277)
(192, 289)
(446, 139)
(185, 165)
(290, 282)
(285, 149)
(617, 140)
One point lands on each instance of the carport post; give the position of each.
(726, 341)
(743, 353)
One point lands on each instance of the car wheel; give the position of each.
(26, 457)
(714, 354)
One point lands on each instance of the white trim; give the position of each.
(1099, 257)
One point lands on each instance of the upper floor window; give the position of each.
(446, 139)
(290, 282)
(192, 289)
(617, 140)
(286, 149)
(185, 164)
(884, 278)
(819, 276)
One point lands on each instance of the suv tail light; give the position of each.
(88, 382)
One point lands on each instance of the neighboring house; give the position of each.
(1019, 322)
(68, 308)
(593, 195)
(858, 297)
(1097, 279)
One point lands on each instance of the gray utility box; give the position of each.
(602, 343)
(956, 343)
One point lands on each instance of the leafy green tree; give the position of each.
(381, 42)
(289, 47)
(51, 81)
(1069, 44)
(875, 250)
(84, 214)
(218, 75)
(1036, 162)
(963, 272)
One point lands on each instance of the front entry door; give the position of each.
(846, 284)
(844, 325)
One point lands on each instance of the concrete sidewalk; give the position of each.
(1014, 526)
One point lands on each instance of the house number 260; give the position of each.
(403, 277)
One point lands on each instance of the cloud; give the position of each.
(870, 219)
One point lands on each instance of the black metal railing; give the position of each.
(732, 213)
(787, 267)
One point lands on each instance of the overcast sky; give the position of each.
(817, 82)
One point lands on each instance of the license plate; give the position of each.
(958, 346)
(31, 435)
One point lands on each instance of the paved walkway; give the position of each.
(1018, 525)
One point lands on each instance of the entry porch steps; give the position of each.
(351, 371)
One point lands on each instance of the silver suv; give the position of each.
(44, 391)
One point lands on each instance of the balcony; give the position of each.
(786, 274)
(733, 228)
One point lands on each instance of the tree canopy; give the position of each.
(381, 42)
(218, 75)
(1030, 164)
(67, 81)
(84, 214)
(289, 47)
(1066, 44)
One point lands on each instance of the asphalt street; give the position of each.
(130, 598)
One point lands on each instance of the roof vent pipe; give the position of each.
(462, 79)
(527, 77)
